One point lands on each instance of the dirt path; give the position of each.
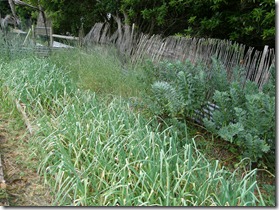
(22, 186)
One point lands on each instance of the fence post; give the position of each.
(261, 66)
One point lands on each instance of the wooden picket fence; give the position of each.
(140, 46)
(255, 63)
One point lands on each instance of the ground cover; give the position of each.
(96, 148)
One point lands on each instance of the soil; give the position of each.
(22, 186)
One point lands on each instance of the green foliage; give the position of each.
(270, 87)
(183, 87)
(167, 100)
(249, 22)
(179, 91)
(11, 47)
(192, 89)
(217, 78)
(246, 117)
(4, 8)
(95, 151)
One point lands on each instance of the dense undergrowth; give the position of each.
(99, 143)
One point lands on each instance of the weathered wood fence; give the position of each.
(139, 46)
(255, 64)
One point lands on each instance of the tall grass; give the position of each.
(96, 151)
(99, 69)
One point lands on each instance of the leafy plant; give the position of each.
(179, 89)
(245, 117)
(217, 78)
(167, 99)
(192, 85)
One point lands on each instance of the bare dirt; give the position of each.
(22, 185)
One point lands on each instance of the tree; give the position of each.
(251, 22)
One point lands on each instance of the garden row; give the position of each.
(98, 149)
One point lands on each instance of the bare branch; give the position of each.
(12, 6)
(18, 2)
